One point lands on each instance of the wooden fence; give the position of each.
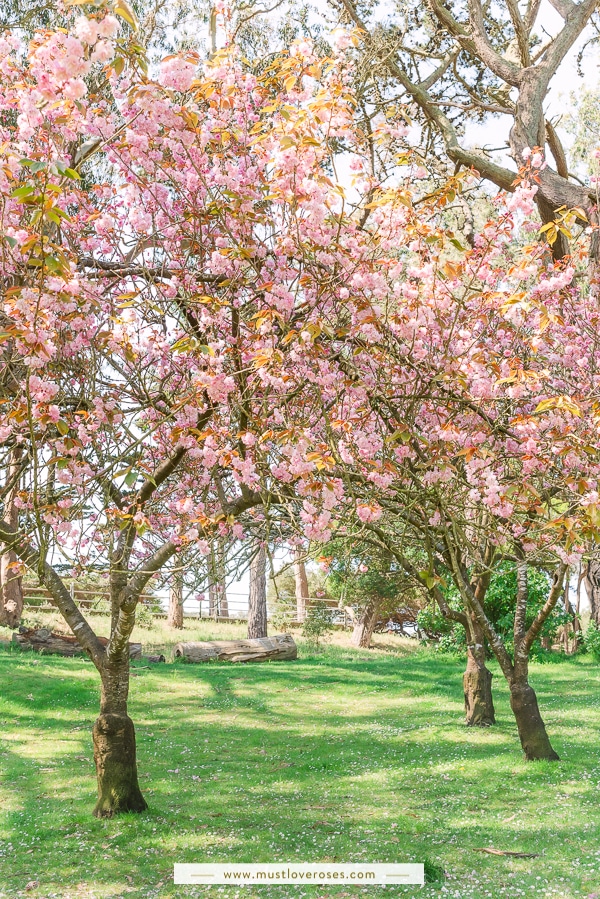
(233, 607)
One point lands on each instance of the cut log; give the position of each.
(154, 660)
(45, 641)
(260, 649)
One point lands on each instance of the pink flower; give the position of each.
(341, 39)
(108, 26)
(368, 513)
(103, 52)
(177, 73)
(43, 391)
(86, 30)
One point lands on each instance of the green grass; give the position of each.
(342, 756)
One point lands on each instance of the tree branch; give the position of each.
(18, 543)
(547, 608)
(154, 273)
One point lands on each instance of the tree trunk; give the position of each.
(218, 606)
(477, 685)
(175, 615)
(365, 624)
(257, 600)
(301, 584)
(532, 730)
(11, 583)
(592, 586)
(114, 745)
(222, 581)
(477, 679)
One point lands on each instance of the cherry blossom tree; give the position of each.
(458, 412)
(149, 255)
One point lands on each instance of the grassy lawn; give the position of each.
(343, 755)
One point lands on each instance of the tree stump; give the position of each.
(260, 649)
(44, 641)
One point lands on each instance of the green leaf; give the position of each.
(67, 171)
(131, 478)
(21, 192)
(62, 427)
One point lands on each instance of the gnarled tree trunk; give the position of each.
(175, 614)
(477, 681)
(301, 584)
(364, 625)
(532, 730)
(11, 583)
(114, 744)
(257, 600)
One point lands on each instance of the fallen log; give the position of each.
(260, 649)
(154, 660)
(45, 641)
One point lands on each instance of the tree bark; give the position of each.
(301, 584)
(365, 625)
(222, 580)
(265, 649)
(532, 730)
(592, 587)
(477, 682)
(175, 615)
(11, 582)
(114, 745)
(218, 606)
(257, 600)
(212, 601)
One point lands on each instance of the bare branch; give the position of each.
(477, 43)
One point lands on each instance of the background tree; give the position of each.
(257, 597)
(454, 63)
(301, 591)
(368, 579)
(175, 611)
(11, 583)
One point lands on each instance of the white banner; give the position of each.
(292, 872)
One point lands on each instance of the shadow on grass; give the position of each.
(327, 758)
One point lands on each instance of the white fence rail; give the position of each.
(231, 607)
